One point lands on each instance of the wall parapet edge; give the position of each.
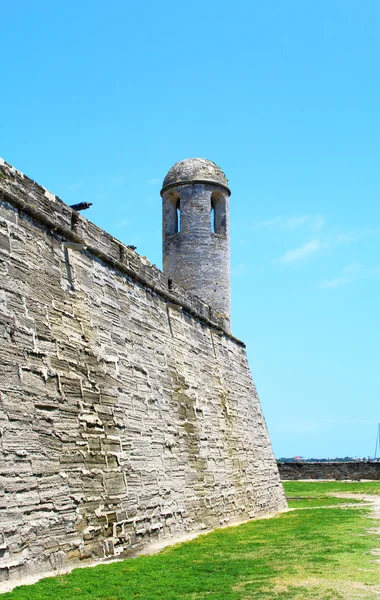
(33, 200)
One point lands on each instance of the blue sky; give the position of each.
(100, 99)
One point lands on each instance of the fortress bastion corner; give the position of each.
(128, 413)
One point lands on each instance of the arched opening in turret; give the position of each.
(212, 217)
(178, 215)
(172, 216)
(218, 213)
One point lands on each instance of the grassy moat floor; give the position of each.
(323, 549)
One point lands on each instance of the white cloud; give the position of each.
(313, 222)
(356, 236)
(302, 252)
(351, 273)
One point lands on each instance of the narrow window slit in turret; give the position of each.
(218, 213)
(178, 214)
(172, 216)
(212, 216)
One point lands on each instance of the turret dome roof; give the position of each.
(195, 170)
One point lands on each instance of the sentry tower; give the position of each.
(196, 238)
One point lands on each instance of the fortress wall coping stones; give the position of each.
(37, 202)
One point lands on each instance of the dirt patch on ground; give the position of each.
(374, 502)
(331, 588)
(326, 589)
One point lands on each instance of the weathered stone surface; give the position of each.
(127, 413)
(194, 169)
(196, 232)
(330, 470)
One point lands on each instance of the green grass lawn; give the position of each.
(323, 488)
(320, 551)
(316, 493)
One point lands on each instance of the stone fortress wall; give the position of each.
(127, 412)
(354, 471)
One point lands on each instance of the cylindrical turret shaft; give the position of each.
(196, 241)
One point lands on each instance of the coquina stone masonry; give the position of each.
(353, 471)
(196, 232)
(127, 413)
